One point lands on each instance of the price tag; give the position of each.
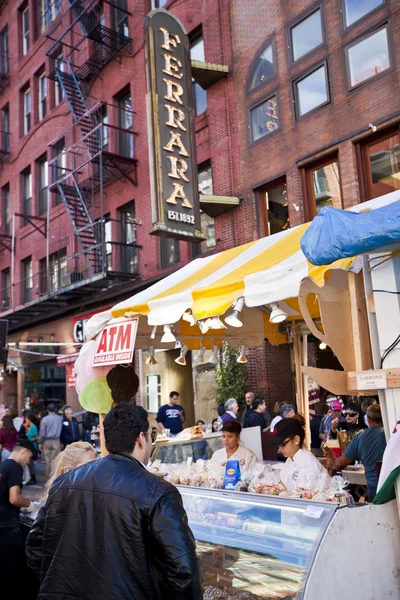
(314, 512)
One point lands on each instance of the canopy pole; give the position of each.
(306, 406)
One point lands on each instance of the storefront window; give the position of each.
(368, 58)
(307, 35)
(274, 207)
(382, 166)
(323, 187)
(169, 252)
(312, 91)
(264, 68)
(264, 118)
(354, 10)
(200, 95)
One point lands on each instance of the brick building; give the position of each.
(308, 116)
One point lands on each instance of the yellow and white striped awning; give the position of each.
(268, 270)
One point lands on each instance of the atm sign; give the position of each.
(116, 343)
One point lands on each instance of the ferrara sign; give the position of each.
(173, 170)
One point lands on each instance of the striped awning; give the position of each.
(268, 270)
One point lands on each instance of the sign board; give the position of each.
(70, 376)
(80, 324)
(371, 381)
(68, 359)
(116, 343)
(173, 165)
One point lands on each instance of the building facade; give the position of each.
(296, 108)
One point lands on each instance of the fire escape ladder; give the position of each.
(88, 20)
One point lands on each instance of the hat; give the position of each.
(26, 444)
(336, 405)
(286, 428)
(233, 427)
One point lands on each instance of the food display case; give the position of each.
(254, 546)
(179, 449)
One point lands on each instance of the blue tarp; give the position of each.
(335, 233)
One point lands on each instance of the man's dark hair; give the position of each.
(122, 427)
(353, 407)
(174, 394)
(256, 403)
(51, 407)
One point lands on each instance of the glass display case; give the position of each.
(256, 546)
(177, 450)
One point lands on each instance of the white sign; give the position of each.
(314, 512)
(116, 343)
(371, 381)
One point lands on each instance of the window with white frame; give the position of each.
(42, 95)
(25, 31)
(49, 9)
(200, 95)
(153, 392)
(59, 66)
(27, 110)
(43, 181)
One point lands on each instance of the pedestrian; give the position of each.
(70, 428)
(17, 420)
(249, 397)
(75, 455)
(335, 412)
(256, 417)
(367, 447)
(12, 559)
(231, 410)
(132, 535)
(286, 411)
(33, 436)
(8, 437)
(172, 415)
(215, 425)
(49, 439)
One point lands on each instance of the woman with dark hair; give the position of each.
(301, 466)
(8, 436)
(256, 416)
(215, 426)
(32, 434)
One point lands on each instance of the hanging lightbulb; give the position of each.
(322, 346)
(242, 356)
(215, 323)
(233, 319)
(152, 359)
(168, 336)
(189, 317)
(214, 356)
(277, 314)
(153, 332)
(200, 356)
(204, 325)
(181, 360)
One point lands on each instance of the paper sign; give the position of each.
(70, 376)
(116, 343)
(371, 381)
(314, 512)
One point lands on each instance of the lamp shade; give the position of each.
(277, 314)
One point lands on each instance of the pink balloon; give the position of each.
(85, 372)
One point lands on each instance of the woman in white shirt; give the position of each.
(302, 468)
(286, 412)
(232, 449)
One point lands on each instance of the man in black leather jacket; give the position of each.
(111, 530)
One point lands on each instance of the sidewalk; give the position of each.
(35, 492)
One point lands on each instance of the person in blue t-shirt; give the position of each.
(368, 447)
(172, 415)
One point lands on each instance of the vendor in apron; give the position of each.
(233, 450)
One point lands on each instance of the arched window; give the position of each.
(264, 67)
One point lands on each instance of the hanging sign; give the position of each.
(116, 343)
(173, 166)
(70, 376)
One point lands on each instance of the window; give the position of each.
(43, 170)
(265, 67)
(49, 9)
(128, 258)
(382, 165)
(273, 203)
(311, 91)
(264, 118)
(6, 217)
(6, 288)
(306, 36)
(27, 279)
(322, 187)
(27, 111)
(103, 131)
(5, 134)
(27, 192)
(42, 95)
(159, 3)
(200, 95)
(59, 66)
(354, 10)
(4, 65)
(56, 278)
(169, 252)
(368, 58)
(121, 17)
(207, 223)
(58, 165)
(125, 137)
(25, 31)
(153, 393)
